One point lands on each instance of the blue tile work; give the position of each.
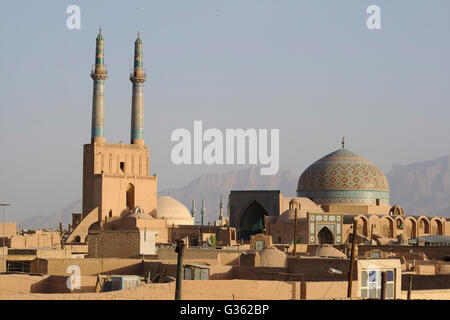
(138, 77)
(317, 221)
(98, 75)
(344, 177)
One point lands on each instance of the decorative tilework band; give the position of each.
(98, 109)
(137, 112)
(366, 194)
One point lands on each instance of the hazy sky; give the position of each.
(309, 68)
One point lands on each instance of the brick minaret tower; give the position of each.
(137, 77)
(221, 208)
(99, 75)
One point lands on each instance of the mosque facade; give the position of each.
(122, 215)
(332, 193)
(120, 196)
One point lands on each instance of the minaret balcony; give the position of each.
(99, 71)
(138, 75)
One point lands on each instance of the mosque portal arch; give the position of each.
(325, 236)
(252, 220)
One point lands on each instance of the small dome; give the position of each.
(272, 257)
(287, 217)
(344, 177)
(139, 213)
(328, 250)
(174, 211)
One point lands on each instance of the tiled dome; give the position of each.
(344, 177)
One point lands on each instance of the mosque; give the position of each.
(332, 193)
(120, 202)
(121, 208)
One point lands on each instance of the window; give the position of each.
(18, 266)
(371, 284)
(122, 166)
(259, 245)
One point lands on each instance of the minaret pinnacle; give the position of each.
(99, 75)
(137, 77)
(343, 142)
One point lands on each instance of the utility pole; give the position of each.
(410, 287)
(371, 234)
(61, 234)
(3, 205)
(295, 232)
(293, 289)
(180, 250)
(173, 232)
(352, 261)
(383, 285)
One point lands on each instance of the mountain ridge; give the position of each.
(422, 188)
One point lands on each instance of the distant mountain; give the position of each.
(422, 188)
(52, 221)
(209, 187)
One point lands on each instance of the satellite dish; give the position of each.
(334, 271)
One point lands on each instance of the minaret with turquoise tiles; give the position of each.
(137, 77)
(99, 75)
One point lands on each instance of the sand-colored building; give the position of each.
(122, 216)
(332, 193)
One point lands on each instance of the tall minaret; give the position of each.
(203, 211)
(221, 208)
(137, 77)
(193, 209)
(99, 75)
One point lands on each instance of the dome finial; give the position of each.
(343, 142)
